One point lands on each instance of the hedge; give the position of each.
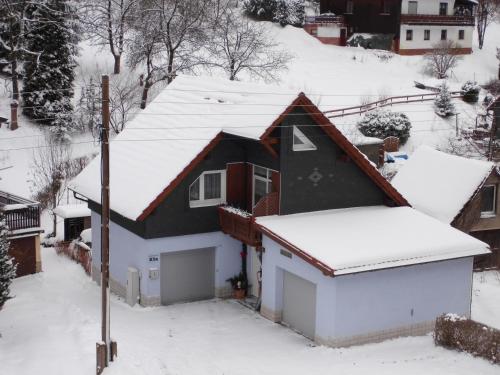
(459, 333)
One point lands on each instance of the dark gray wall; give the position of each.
(338, 183)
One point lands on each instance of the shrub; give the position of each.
(442, 58)
(382, 124)
(470, 91)
(284, 12)
(464, 334)
(442, 104)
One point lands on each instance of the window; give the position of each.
(444, 34)
(412, 7)
(208, 190)
(301, 142)
(443, 9)
(427, 34)
(385, 8)
(409, 34)
(349, 6)
(262, 183)
(461, 34)
(488, 200)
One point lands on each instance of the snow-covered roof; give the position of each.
(86, 235)
(369, 238)
(72, 210)
(440, 184)
(162, 140)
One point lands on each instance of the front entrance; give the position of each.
(187, 275)
(299, 304)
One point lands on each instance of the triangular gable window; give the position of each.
(301, 142)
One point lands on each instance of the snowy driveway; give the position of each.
(53, 323)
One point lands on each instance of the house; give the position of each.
(406, 27)
(76, 218)
(23, 219)
(457, 191)
(217, 177)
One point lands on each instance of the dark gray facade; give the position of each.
(320, 179)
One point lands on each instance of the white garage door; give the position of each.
(187, 275)
(299, 304)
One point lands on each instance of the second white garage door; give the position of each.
(187, 275)
(299, 304)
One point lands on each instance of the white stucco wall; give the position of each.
(418, 41)
(366, 303)
(130, 250)
(329, 31)
(428, 6)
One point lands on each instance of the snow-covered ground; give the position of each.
(52, 324)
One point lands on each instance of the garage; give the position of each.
(187, 275)
(23, 250)
(299, 304)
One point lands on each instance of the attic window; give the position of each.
(488, 200)
(208, 190)
(301, 142)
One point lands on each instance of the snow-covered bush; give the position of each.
(442, 104)
(284, 12)
(382, 124)
(7, 266)
(470, 91)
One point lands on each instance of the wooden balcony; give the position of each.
(325, 19)
(240, 224)
(432, 19)
(19, 213)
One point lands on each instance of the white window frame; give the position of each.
(202, 202)
(307, 143)
(268, 180)
(486, 214)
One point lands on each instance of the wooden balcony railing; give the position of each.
(325, 19)
(241, 224)
(433, 19)
(22, 217)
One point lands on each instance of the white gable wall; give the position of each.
(371, 306)
(428, 6)
(130, 250)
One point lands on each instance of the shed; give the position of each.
(357, 275)
(76, 218)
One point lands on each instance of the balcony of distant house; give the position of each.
(22, 215)
(462, 14)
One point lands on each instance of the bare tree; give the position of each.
(487, 10)
(124, 91)
(51, 170)
(498, 58)
(240, 45)
(107, 23)
(168, 36)
(442, 58)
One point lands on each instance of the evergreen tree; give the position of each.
(49, 76)
(442, 104)
(7, 266)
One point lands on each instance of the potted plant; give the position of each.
(239, 285)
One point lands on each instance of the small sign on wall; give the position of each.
(154, 258)
(286, 253)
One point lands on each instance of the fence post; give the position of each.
(13, 115)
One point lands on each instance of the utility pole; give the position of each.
(106, 350)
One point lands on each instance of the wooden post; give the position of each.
(100, 357)
(105, 207)
(13, 115)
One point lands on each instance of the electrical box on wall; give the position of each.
(154, 273)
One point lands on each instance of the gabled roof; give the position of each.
(390, 237)
(440, 184)
(162, 144)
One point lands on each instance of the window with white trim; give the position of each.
(488, 200)
(208, 190)
(262, 183)
(301, 142)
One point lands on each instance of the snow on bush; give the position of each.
(284, 12)
(470, 91)
(442, 104)
(382, 124)
(7, 266)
